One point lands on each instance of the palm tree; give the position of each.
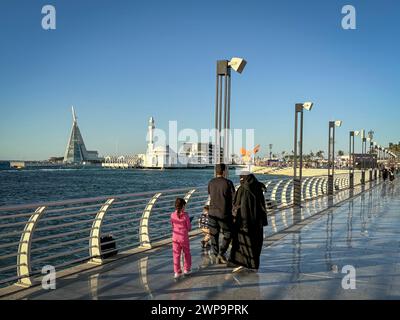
(320, 154)
(340, 153)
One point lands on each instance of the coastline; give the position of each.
(288, 171)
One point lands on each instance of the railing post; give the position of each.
(309, 187)
(340, 183)
(314, 190)
(318, 187)
(144, 235)
(188, 195)
(284, 192)
(336, 184)
(303, 188)
(324, 185)
(24, 249)
(95, 234)
(345, 182)
(275, 190)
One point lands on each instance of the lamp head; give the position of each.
(237, 64)
(338, 123)
(356, 133)
(308, 106)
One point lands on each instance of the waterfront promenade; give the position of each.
(302, 260)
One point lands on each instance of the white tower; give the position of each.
(150, 133)
(150, 144)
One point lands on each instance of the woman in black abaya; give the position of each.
(249, 204)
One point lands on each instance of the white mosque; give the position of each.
(158, 156)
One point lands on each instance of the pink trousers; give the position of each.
(177, 248)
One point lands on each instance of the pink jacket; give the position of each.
(180, 226)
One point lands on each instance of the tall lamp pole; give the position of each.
(379, 158)
(351, 159)
(375, 161)
(363, 151)
(331, 154)
(299, 107)
(370, 162)
(270, 151)
(223, 106)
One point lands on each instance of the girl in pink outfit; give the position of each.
(180, 238)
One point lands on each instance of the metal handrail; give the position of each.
(83, 214)
(61, 234)
(62, 254)
(87, 200)
(59, 245)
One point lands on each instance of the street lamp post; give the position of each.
(371, 161)
(363, 151)
(379, 158)
(331, 154)
(270, 151)
(223, 106)
(375, 161)
(351, 158)
(299, 107)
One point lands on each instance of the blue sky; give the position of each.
(119, 62)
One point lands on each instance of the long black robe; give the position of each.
(248, 234)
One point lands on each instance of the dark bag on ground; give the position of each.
(108, 246)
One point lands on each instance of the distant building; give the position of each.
(129, 161)
(197, 153)
(191, 154)
(76, 151)
(159, 156)
(56, 159)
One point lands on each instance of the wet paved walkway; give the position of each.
(302, 261)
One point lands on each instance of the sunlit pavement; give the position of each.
(302, 260)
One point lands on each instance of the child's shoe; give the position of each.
(187, 272)
(177, 275)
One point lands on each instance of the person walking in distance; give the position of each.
(180, 238)
(385, 173)
(220, 220)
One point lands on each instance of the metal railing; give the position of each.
(66, 233)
